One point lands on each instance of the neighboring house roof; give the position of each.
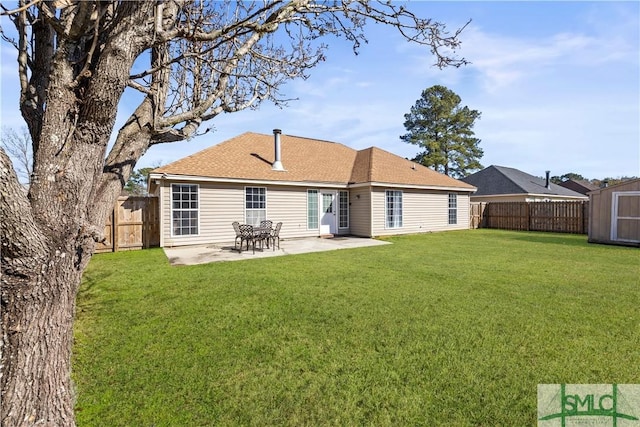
(580, 186)
(616, 187)
(250, 157)
(500, 180)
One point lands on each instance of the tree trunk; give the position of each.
(38, 313)
(40, 279)
(48, 236)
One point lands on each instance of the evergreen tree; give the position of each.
(137, 183)
(444, 129)
(567, 177)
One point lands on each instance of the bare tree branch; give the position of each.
(18, 146)
(245, 66)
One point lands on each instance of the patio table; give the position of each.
(250, 233)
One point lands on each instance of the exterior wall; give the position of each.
(222, 204)
(422, 211)
(360, 212)
(219, 206)
(600, 214)
(289, 205)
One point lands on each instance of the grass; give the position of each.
(453, 328)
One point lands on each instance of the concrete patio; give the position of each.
(193, 255)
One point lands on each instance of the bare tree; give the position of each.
(18, 147)
(76, 60)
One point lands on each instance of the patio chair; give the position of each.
(275, 234)
(266, 228)
(247, 235)
(236, 228)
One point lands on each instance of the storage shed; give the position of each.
(614, 214)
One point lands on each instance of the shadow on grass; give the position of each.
(90, 288)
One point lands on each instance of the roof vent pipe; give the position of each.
(547, 183)
(277, 164)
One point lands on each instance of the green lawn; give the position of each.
(454, 328)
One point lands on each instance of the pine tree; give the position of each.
(444, 129)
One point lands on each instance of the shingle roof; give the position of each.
(495, 180)
(580, 186)
(249, 157)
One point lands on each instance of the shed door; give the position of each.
(625, 216)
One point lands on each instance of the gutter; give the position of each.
(191, 178)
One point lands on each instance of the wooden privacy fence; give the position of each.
(560, 217)
(133, 224)
(477, 215)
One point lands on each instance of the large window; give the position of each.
(343, 213)
(312, 209)
(255, 205)
(184, 209)
(394, 208)
(453, 208)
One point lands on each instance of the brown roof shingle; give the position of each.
(250, 155)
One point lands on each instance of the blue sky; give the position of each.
(557, 83)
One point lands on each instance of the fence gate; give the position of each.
(133, 224)
(477, 215)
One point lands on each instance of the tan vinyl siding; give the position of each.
(422, 211)
(360, 212)
(222, 204)
(289, 206)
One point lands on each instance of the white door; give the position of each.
(328, 213)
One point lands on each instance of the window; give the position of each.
(453, 208)
(255, 205)
(343, 212)
(184, 210)
(394, 208)
(312, 209)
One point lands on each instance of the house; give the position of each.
(314, 187)
(614, 214)
(503, 184)
(578, 185)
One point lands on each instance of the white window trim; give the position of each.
(244, 201)
(615, 196)
(183, 236)
(386, 209)
(449, 208)
(318, 192)
(340, 208)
